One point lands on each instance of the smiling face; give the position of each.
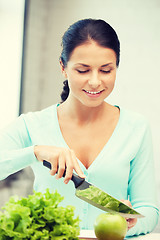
(91, 74)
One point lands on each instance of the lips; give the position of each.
(93, 92)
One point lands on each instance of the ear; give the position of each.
(63, 69)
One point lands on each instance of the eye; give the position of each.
(84, 71)
(103, 71)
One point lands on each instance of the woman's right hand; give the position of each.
(61, 159)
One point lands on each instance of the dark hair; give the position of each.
(83, 31)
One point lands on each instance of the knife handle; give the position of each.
(75, 178)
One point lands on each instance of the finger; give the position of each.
(68, 176)
(131, 222)
(76, 165)
(127, 202)
(54, 168)
(69, 167)
(61, 166)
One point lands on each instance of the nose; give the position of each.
(94, 81)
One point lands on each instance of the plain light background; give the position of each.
(138, 78)
(11, 35)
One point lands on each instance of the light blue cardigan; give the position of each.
(124, 167)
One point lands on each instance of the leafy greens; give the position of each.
(98, 196)
(38, 217)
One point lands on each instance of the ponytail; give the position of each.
(65, 92)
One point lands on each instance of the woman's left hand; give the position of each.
(130, 221)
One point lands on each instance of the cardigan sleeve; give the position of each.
(16, 150)
(142, 186)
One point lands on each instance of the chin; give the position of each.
(92, 104)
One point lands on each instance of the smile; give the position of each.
(94, 93)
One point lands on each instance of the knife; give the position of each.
(98, 198)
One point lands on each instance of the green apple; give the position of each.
(108, 226)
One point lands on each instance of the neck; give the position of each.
(81, 113)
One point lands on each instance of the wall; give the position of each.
(11, 35)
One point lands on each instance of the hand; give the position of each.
(130, 221)
(60, 159)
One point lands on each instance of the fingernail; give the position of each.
(65, 181)
(83, 176)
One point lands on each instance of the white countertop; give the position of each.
(90, 235)
(151, 236)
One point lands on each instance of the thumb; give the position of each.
(77, 168)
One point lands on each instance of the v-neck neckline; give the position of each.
(104, 147)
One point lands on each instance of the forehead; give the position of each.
(91, 53)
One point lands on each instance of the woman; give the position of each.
(108, 145)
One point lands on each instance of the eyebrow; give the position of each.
(85, 65)
(105, 65)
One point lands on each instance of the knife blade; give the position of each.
(104, 201)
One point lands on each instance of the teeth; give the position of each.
(92, 92)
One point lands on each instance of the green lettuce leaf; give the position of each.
(38, 217)
(100, 197)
